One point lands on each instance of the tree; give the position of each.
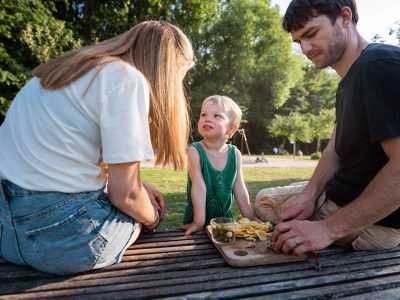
(321, 88)
(313, 94)
(294, 127)
(246, 55)
(29, 35)
(97, 20)
(377, 39)
(35, 31)
(396, 31)
(322, 125)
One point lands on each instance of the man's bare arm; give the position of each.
(380, 198)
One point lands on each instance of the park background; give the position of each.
(240, 47)
(241, 52)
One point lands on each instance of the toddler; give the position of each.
(215, 167)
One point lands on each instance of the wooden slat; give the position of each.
(170, 265)
(256, 276)
(390, 293)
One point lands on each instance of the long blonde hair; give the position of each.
(233, 110)
(163, 54)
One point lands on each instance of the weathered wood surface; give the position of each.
(237, 254)
(168, 265)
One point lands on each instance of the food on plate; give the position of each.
(251, 230)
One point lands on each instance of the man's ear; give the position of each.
(347, 16)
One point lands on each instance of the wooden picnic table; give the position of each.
(168, 265)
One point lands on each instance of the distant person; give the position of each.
(215, 167)
(263, 159)
(111, 102)
(299, 153)
(275, 150)
(353, 197)
(282, 150)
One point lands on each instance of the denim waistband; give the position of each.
(12, 189)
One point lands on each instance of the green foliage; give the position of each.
(246, 55)
(395, 30)
(35, 31)
(102, 19)
(294, 126)
(321, 88)
(241, 48)
(29, 35)
(322, 125)
(316, 155)
(4, 105)
(48, 42)
(314, 98)
(315, 91)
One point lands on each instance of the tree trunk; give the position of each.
(318, 143)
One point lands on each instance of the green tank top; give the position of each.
(219, 185)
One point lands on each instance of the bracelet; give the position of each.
(153, 224)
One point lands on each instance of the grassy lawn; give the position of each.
(173, 186)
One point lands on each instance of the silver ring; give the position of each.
(294, 239)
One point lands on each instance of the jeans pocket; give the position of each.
(68, 246)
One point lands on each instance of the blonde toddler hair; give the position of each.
(232, 109)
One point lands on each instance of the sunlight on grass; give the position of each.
(173, 185)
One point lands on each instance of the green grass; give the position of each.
(173, 185)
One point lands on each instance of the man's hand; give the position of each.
(190, 228)
(300, 207)
(156, 198)
(298, 237)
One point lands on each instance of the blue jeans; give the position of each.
(61, 233)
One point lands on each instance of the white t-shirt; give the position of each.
(54, 140)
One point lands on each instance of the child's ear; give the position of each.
(233, 129)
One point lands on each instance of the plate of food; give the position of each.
(245, 243)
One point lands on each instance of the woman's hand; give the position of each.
(127, 193)
(156, 198)
(150, 227)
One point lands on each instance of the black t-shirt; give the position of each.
(367, 111)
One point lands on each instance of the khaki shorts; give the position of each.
(374, 237)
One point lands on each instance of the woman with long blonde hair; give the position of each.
(113, 102)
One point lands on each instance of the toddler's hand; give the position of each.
(189, 228)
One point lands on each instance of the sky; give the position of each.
(374, 17)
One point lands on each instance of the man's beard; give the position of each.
(335, 49)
